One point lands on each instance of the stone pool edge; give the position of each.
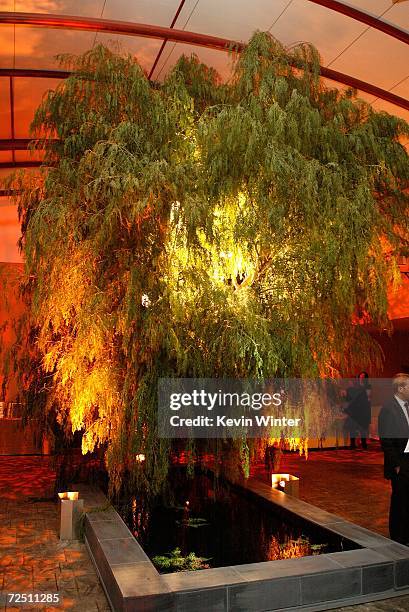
(377, 570)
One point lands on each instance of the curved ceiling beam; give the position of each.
(139, 29)
(149, 31)
(351, 81)
(333, 75)
(367, 18)
(91, 24)
(20, 164)
(22, 144)
(6, 193)
(34, 73)
(14, 144)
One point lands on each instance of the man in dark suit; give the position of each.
(393, 425)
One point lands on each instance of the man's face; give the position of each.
(404, 391)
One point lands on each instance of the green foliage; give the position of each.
(202, 229)
(175, 562)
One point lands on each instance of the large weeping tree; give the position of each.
(202, 229)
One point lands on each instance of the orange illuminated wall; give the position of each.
(11, 307)
(9, 232)
(399, 301)
(11, 266)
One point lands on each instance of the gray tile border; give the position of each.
(359, 535)
(377, 578)
(359, 557)
(163, 602)
(286, 567)
(214, 600)
(264, 595)
(137, 580)
(214, 577)
(132, 583)
(331, 586)
(402, 573)
(119, 551)
(96, 516)
(392, 550)
(107, 530)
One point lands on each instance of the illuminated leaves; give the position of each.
(250, 213)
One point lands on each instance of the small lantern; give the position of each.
(72, 510)
(287, 483)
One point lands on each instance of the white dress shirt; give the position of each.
(402, 404)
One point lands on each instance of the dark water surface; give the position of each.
(223, 522)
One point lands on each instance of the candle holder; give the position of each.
(71, 512)
(287, 483)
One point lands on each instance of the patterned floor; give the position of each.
(32, 557)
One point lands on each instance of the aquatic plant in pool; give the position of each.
(176, 562)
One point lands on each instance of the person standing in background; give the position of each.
(358, 410)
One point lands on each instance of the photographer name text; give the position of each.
(241, 421)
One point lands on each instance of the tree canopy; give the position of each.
(197, 228)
